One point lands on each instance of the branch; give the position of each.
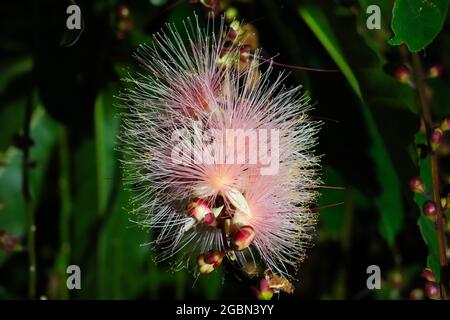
(27, 198)
(426, 113)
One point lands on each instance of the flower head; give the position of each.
(221, 154)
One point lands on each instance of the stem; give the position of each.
(65, 209)
(27, 199)
(426, 113)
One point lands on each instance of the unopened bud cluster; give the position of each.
(237, 235)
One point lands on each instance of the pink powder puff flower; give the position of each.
(221, 158)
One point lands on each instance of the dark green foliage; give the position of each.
(368, 142)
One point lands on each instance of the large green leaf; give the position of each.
(417, 22)
(389, 200)
(43, 133)
(428, 231)
(122, 259)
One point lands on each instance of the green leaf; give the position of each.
(106, 129)
(389, 201)
(428, 231)
(43, 133)
(317, 22)
(417, 22)
(13, 217)
(13, 69)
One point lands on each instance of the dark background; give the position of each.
(68, 80)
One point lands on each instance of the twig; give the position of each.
(28, 200)
(426, 113)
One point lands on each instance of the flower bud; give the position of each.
(429, 209)
(403, 74)
(210, 220)
(215, 258)
(436, 138)
(435, 71)
(200, 210)
(428, 275)
(444, 203)
(264, 292)
(432, 290)
(123, 11)
(232, 34)
(416, 185)
(242, 237)
(203, 266)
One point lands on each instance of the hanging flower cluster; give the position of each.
(219, 153)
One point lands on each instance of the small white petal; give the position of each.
(189, 224)
(237, 199)
(217, 211)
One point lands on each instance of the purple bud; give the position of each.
(435, 71)
(436, 138)
(8, 241)
(432, 290)
(428, 275)
(416, 185)
(430, 210)
(403, 74)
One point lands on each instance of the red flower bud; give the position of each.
(436, 138)
(429, 209)
(428, 275)
(416, 185)
(264, 292)
(435, 71)
(200, 210)
(215, 258)
(203, 266)
(8, 242)
(242, 237)
(432, 290)
(403, 74)
(123, 11)
(232, 34)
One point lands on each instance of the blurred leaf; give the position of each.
(121, 254)
(428, 230)
(12, 69)
(417, 22)
(389, 200)
(332, 219)
(317, 22)
(11, 121)
(106, 129)
(158, 3)
(84, 199)
(13, 216)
